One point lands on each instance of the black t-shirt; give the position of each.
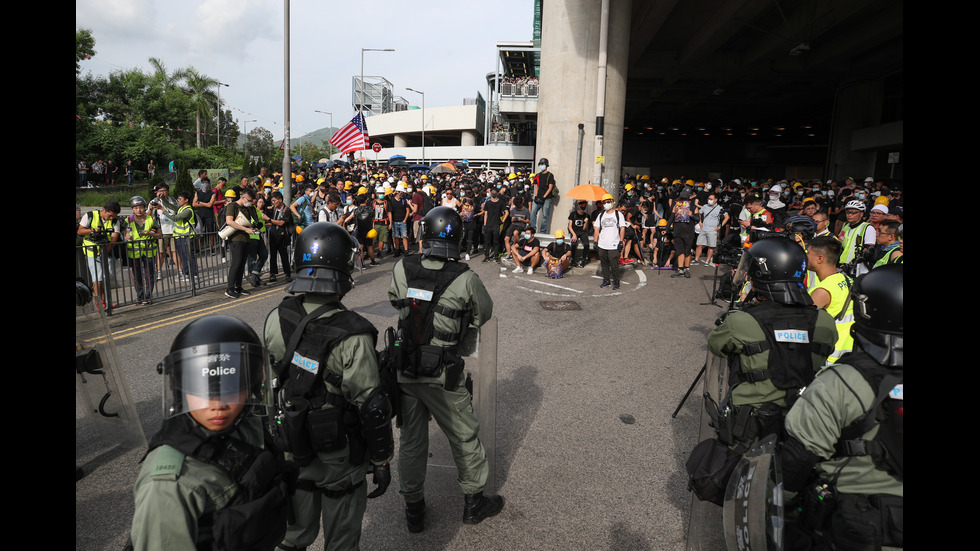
(525, 246)
(581, 223)
(493, 211)
(556, 250)
(545, 179)
(399, 209)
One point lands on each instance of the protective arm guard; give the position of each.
(797, 464)
(375, 416)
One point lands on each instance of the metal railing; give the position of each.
(512, 89)
(141, 271)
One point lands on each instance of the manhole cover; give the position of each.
(559, 305)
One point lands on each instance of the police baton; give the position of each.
(689, 390)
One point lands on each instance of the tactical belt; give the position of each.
(310, 486)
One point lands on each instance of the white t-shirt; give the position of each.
(609, 224)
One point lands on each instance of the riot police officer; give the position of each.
(853, 499)
(437, 298)
(333, 416)
(775, 346)
(210, 480)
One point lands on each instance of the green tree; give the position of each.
(259, 143)
(201, 95)
(84, 48)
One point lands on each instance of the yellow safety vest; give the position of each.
(96, 222)
(141, 245)
(853, 241)
(185, 228)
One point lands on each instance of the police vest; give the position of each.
(257, 517)
(185, 228)
(789, 332)
(887, 413)
(424, 289)
(315, 417)
(141, 245)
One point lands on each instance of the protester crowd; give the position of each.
(671, 224)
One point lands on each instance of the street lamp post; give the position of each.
(220, 84)
(423, 120)
(245, 127)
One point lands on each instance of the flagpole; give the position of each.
(287, 173)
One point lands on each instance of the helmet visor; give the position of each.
(219, 374)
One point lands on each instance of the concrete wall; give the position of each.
(437, 119)
(567, 97)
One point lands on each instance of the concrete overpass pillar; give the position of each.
(857, 106)
(569, 86)
(469, 138)
(400, 140)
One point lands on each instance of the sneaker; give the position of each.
(695, 262)
(465, 257)
(519, 268)
(486, 259)
(616, 286)
(289, 278)
(509, 257)
(272, 278)
(244, 292)
(374, 262)
(605, 283)
(231, 294)
(530, 271)
(679, 273)
(687, 274)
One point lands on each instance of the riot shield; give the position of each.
(705, 528)
(753, 510)
(103, 401)
(478, 347)
(485, 391)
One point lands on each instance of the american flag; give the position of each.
(352, 137)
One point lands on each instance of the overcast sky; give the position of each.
(444, 48)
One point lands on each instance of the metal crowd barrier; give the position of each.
(155, 270)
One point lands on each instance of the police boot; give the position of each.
(415, 515)
(478, 507)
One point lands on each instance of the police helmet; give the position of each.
(803, 225)
(878, 313)
(442, 231)
(215, 359)
(136, 200)
(775, 265)
(324, 258)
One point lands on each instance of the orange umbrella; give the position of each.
(587, 192)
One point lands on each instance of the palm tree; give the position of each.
(201, 93)
(166, 81)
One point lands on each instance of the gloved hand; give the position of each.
(620, 246)
(382, 477)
